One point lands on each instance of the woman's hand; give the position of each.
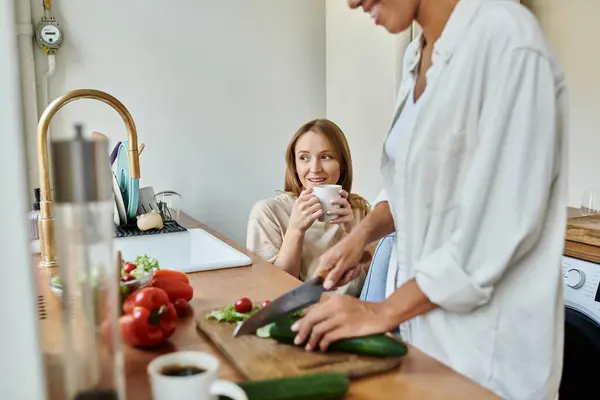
(339, 318)
(344, 214)
(307, 209)
(343, 261)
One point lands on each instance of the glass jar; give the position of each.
(89, 270)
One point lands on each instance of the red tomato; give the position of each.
(264, 303)
(175, 289)
(243, 305)
(129, 267)
(182, 307)
(169, 274)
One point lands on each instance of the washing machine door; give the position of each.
(581, 356)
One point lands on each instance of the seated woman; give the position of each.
(285, 230)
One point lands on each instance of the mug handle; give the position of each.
(229, 389)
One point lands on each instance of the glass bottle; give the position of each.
(34, 216)
(93, 359)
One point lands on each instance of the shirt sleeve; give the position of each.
(264, 236)
(507, 190)
(381, 197)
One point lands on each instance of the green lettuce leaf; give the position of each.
(228, 314)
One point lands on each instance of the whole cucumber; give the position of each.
(318, 386)
(379, 345)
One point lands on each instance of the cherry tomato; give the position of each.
(243, 305)
(169, 274)
(128, 278)
(264, 303)
(129, 267)
(181, 306)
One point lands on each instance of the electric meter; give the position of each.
(49, 35)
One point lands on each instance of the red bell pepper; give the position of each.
(175, 289)
(149, 318)
(169, 274)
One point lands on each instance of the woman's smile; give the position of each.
(373, 8)
(317, 181)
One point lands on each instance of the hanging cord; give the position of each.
(47, 7)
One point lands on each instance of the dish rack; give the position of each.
(129, 201)
(131, 230)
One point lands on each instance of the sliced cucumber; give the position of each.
(264, 332)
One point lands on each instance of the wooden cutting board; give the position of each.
(258, 358)
(584, 229)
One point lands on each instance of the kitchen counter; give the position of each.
(580, 250)
(418, 377)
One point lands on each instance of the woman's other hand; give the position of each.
(307, 209)
(339, 318)
(344, 214)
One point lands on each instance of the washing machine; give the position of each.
(581, 366)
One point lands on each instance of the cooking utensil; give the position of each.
(298, 298)
(116, 218)
(114, 153)
(168, 203)
(130, 187)
(121, 209)
(147, 202)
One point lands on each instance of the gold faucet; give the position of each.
(47, 243)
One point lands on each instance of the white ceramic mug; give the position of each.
(326, 193)
(201, 386)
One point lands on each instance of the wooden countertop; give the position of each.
(419, 376)
(580, 250)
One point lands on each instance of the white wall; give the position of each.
(572, 27)
(216, 89)
(363, 72)
(20, 362)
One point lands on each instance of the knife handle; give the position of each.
(321, 276)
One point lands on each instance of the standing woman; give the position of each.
(474, 171)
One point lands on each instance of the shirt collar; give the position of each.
(414, 53)
(459, 20)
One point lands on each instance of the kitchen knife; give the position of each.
(295, 300)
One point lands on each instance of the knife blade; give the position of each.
(308, 293)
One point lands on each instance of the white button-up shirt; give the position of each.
(478, 196)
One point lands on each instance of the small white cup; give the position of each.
(326, 193)
(201, 386)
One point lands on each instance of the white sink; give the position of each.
(190, 251)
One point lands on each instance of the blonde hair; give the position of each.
(336, 137)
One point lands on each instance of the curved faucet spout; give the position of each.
(47, 243)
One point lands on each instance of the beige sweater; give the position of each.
(267, 225)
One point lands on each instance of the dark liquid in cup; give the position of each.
(100, 394)
(181, 370)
